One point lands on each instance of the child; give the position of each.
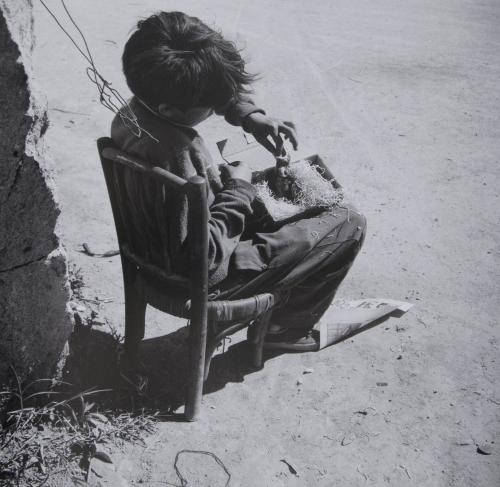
(180, 72)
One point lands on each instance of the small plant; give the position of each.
(53, 432)
(76, 281)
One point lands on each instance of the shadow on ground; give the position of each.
(158, 382)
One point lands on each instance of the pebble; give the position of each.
(484, 449)
(348, 439)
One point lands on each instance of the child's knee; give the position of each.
(359, 221)
(357, 225)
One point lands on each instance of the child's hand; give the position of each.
(262, 127)
(236, 170)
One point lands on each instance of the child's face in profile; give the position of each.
(190, 117)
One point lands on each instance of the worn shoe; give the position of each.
(293, 340)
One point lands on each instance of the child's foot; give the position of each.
(295, 340)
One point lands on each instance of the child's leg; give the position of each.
(309, 284)
(308, 301)
(292, 323)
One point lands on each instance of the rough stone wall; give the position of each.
(34, 291)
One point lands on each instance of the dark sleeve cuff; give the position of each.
(247, 109)
(238, 109)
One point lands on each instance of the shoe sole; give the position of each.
(292, 347)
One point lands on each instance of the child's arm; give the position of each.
(243, 112)
(228, 213)
(238, 109)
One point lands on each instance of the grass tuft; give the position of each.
(51, 432)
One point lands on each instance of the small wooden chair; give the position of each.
(186, 297)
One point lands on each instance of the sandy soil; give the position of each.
(401, 99)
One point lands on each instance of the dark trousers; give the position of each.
(306, 283)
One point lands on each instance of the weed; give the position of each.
(52, 432)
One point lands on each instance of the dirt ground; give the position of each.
(401, 99)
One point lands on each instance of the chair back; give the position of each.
(140, 218)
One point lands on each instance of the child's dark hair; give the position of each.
(177, 59)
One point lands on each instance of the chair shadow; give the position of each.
(158, 382)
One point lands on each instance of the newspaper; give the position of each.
(353, 316)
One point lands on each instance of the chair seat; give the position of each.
(224, 317)
(176, 302)
(229, 311)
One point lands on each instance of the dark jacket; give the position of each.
(182, 151)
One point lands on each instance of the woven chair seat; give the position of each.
(177, 302)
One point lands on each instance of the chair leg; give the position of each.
(197, 351)
(252, 332)
(135, 315)
(210, 349)
(262, 325)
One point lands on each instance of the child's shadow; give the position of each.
(159, 381)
